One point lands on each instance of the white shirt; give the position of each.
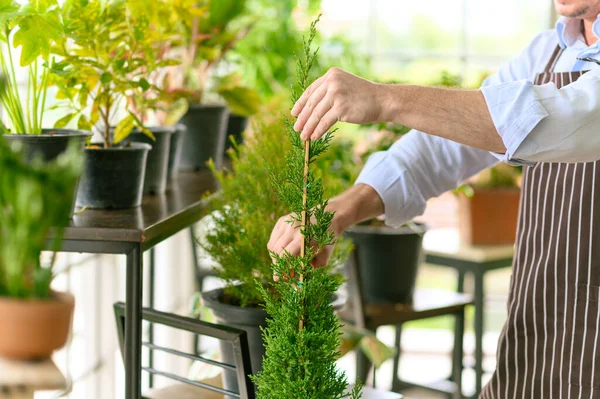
(536, 123)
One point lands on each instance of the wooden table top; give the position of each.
(157, 218)
(446, 243)
(32, 376)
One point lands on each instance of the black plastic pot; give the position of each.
(388, 260)
(175, 150)
(250, 320)
(157, 165)
(49, 145)
(235, 127)
(113, 178)
(205, 139)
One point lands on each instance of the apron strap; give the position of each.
(554, 59)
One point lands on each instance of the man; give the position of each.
(541, 110)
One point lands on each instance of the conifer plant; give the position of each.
(303, 333)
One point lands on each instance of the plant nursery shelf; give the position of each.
(159, 216)
(131, 232)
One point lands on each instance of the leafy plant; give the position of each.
(35, 27)
(35, 198)
(247, 207)
(303, 333)
(106, 60)
(265, 57)
(206, 32)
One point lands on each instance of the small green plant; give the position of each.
(35, 198)
(303, 334)
(207, 32)
(36, 27)
(106, 61)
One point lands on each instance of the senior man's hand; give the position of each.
(358, 203)
(337, 96)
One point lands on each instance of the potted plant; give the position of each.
(303, 333)
(35, 197)
(101, 65)
(207, 34)
(244, 214)
(35, 28)
(158, 109)
(491, 198)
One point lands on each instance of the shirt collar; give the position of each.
(568, 30)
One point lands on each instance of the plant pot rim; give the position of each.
(58, 133)
(57, 297)
(155, 129)
(200, 106)
(213, 300)
(418, 228)
(134, 146)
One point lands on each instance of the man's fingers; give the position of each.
(311, 105)
(326, 122)
(317, 115)
(297, 109)
(276, 233)
(294, 247)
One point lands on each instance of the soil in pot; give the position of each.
(49, 145)
(33, 329)
(113, 177)
(205, 138)
(157, 164)
(388, 260)
(235, 127)
(175, 150)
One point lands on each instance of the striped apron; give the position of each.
(549, 345)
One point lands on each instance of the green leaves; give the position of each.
(65, 120)
(223, 11)
(123, 129)
(35, 197)
(36, 35)
(303, 333)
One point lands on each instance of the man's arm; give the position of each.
(458, 115)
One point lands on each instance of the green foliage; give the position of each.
(303, 333)
(35, 27)
(204, 33)
(265, 56)
(35, 197)
(109, 59)
(245, 212)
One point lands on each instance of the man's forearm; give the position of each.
(355, 205)
(458, 115)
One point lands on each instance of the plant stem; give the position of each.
(16, 89)
(304, 221)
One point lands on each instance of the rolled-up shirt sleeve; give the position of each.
(419, 167)
(547, 124)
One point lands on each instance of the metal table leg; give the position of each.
(151, 271)
(479, 323)
(133, 324)
(396, 386)
(458, 352)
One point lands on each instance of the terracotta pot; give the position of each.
(489, 217)
(33, 329)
